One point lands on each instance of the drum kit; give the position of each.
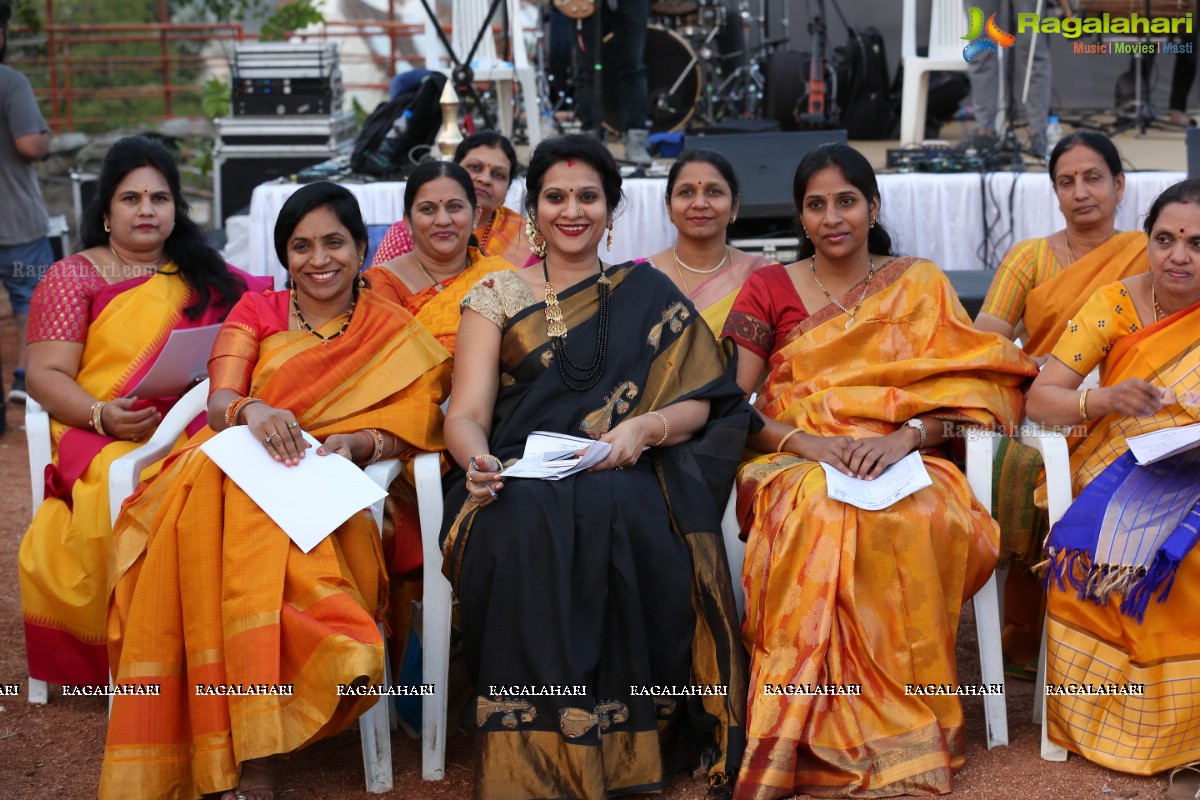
(699, 72)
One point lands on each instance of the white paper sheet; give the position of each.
(541, 447)
(1148, 448)
(308, 501)
(906, 476)
(182, 360)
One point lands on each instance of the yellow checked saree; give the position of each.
(63, 556)
(207, 590)
(1125, 572)
(866, 600)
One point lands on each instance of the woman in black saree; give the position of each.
(597, 611)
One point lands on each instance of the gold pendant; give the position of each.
(849, 322)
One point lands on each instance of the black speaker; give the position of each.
(765, 164)
(238, 173)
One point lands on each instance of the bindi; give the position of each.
(570, 162)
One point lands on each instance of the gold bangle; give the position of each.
(376, 438)
(97, 420)
(1083, 405)
(479, 460)
(784, 440)
(666, 429)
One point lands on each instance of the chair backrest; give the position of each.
(469, 17)
(947, 24)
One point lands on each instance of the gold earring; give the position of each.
(537, 242)
(873, 222)
(361, 282)
(106, 228)
(609, 237)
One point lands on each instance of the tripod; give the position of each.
(462, 74)
(1144, 116)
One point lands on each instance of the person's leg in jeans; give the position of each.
(628, 24)
(21, 267)
(585, 67)
(984, 72)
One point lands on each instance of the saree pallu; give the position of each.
(604, 581)
(869, 600)
(437, 311)
(63, 557)
(714, 297)
(207, 590)
(1094, 637)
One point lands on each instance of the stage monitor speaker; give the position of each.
(765, 164)
(1193, 152)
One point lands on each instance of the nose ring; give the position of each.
(579, 213)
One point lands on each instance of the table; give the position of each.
(964, 221)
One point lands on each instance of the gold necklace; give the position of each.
(438, 286)
(721, 263)
(1070, 250)
(117, 263)
(812, 267)
(1158, 312)
(575, 376)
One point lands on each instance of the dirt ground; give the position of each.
(54, 751)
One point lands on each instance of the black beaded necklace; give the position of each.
(576, 377)
(303, 325)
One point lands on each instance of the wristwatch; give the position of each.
(920, 428)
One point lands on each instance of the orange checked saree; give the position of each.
(1125, 572)
(207, 590)
(63, 556)
(865, 600)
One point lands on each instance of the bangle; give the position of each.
(479, 460)
(97, 421)
(235, 408)
(376, 438)
(1083, 405)
(784, 440)
(666, 429)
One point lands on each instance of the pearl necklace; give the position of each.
(812, 267)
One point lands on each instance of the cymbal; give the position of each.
(673, 8)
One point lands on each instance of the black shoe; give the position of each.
(17, 393)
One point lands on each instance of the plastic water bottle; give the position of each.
(387, 149)
(546, 124)
(1054, 132)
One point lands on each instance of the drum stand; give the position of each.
(462, 74)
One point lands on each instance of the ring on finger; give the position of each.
(293, 424)
(269, 437)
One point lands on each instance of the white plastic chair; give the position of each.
(1057, 460)
(435, 621)
(947, 24)
(981, 447)
(489, 68)
(124, 476)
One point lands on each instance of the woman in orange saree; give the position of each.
(432, 279)
(702, 202)
(492, 163)
(98, 322)
(207, 590)
(858, 602)
(1038, 287)
(1125, 573)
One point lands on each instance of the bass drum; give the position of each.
(669, 59)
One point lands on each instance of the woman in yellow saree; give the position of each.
(1038, 287)
(863, 602)
(207, 589)
(702, 202)
(98, 322)
(1125, 574)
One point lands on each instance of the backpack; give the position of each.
(369, 157)
(863, 86)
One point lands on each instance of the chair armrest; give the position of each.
(1057, 459)
(126, 471)
(383, 473)
(37, 437)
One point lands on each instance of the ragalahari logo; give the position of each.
(984, 37)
